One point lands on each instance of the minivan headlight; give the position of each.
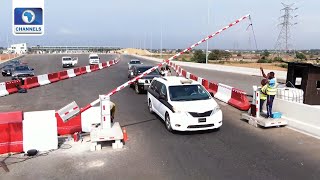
(215, 110)
(176, 110)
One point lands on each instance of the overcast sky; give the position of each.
(137, 23)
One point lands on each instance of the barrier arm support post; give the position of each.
(106, 131)
(256, 97)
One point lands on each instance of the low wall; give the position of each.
(239, 70)
(302, 117)
(6, 57)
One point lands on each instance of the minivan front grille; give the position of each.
(200, 126)
(205, 114)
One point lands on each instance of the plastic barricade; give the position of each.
(213, 88)
(205, 83)
(239, 100)
(93, 68)
(69, 127)
(11, 86)
(63, 75)
(193, 77)
(53, 77)
(184, 73)
(77, 71)
(83, 70)
(104, 65)
(31, 82)
(11, 132)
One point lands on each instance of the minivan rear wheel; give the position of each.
(136, 88)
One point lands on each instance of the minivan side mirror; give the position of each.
(161, 96)
(32, 69)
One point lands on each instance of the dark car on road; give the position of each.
(7, 69)
(143, 83)
(22, 72)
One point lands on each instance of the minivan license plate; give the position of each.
(202, 120)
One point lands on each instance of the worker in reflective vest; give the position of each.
(271, 93)
(271, 90)
(263, 93)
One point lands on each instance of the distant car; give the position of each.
(184, 104)
(22, 72)
(68, 61)
(94, 59)
(133, 62)
(7, 69)
(143, 83)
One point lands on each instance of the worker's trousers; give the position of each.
(270, 99)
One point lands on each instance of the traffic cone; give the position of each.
(125, 135)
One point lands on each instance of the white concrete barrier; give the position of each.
(43, 79)
(3, 89)
(89, 117)
(303, 117)
(224, 92)
(71, 73)
(88, 69)
(100, 66)
(40, 131)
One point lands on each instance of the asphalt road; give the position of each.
(237, 151)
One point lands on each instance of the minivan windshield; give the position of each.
(22, 68)
(67, 59)
(188, 93)
(143, 69)
(135, 62)
(94, 57)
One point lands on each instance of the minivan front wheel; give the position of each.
(168, 123)
(150, 107)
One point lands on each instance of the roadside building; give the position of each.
(18, 48)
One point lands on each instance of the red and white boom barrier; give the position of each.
(166, 61)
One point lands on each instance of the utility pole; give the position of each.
(207, 50)
(286, 22)
(161, 43)
(151, 44)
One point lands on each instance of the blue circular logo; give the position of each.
(28, 16)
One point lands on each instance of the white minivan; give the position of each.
(94, 59)
(183, 104)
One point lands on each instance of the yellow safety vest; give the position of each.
(263, 92)
(272, 90)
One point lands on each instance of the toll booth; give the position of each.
(306, 77)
